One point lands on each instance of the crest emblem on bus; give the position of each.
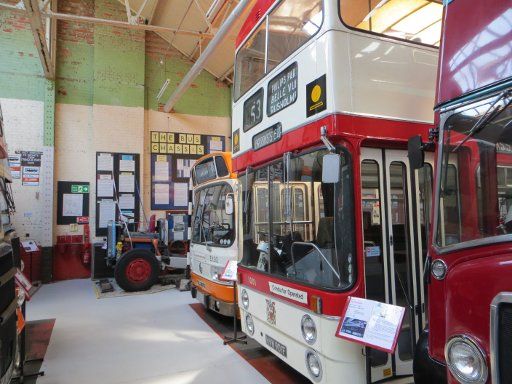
(271, 311)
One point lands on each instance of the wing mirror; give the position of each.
(230, 204)
(416, 152)
(331, 163)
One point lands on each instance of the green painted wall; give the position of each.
(21, 74)
(104, 65)
(118, 60)
(206, 96)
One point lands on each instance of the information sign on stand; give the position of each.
(229, 273)
(371, 323)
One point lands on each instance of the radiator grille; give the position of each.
(505, 342)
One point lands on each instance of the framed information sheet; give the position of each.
(371, 323)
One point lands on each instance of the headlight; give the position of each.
(466, 360)
(245, 299)
(314, 365)
(249, 323)
(439, 269)
(308, 328)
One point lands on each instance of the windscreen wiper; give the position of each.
(491, 112)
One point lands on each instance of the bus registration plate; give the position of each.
(267, 137)
(276, 346)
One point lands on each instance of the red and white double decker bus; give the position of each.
(356, 79)
(469, 270)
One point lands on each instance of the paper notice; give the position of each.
(127, 182)
(105, 162)
(105, 186)
(72, 204)
(107, 212)
(161, 171)
(371, 323)
(215, 144)
(127, 165)
(180, 194)
(161, 194)
(183, 168)
(127, 201)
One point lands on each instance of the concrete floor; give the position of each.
(147, 339)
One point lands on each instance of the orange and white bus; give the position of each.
(214, 236)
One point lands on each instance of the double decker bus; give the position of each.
(326, 95)
(214, 236)
(469, 270)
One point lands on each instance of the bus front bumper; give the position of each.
(222, 307)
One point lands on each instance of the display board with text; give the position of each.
(117, 190)
(172, 157)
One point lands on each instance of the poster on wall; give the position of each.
(172, 157)
(15, 165)
(30, 164)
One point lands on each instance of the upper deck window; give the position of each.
(413, 20)
(283, 31)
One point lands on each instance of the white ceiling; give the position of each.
(191, 15)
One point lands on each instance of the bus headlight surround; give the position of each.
(249, 324)
(438, 269)
(245, 299)
(314, 365)
(308, 329)
(466, 360)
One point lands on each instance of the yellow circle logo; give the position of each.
(316, 92)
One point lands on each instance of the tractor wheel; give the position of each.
(137, 270)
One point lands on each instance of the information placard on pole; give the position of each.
(371, 323)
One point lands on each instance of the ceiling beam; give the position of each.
(40, 37)
(200, 63)
(124, 24)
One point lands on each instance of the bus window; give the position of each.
(479, 138)
(413, 20)
(316, 248)
(212, 224)
(290, 25)
(250, 62)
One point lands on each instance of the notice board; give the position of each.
(117, 189)
(172, 157)
(72, 202)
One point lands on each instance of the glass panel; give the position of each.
(250, 62)
(212, 225)
(413, 20)
(475, 196)
(373, 243)
(401, 255)
(304, 245)
(291, 24)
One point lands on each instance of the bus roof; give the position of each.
(475, 47)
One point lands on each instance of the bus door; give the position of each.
(393, 260)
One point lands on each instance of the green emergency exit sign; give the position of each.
(76, 188)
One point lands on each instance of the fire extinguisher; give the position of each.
(86, 254)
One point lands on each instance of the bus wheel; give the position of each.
(137, 270)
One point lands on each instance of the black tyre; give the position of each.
(137, 270)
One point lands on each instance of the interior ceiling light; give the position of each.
(420, 19)
(430, 35)
(389, 13)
